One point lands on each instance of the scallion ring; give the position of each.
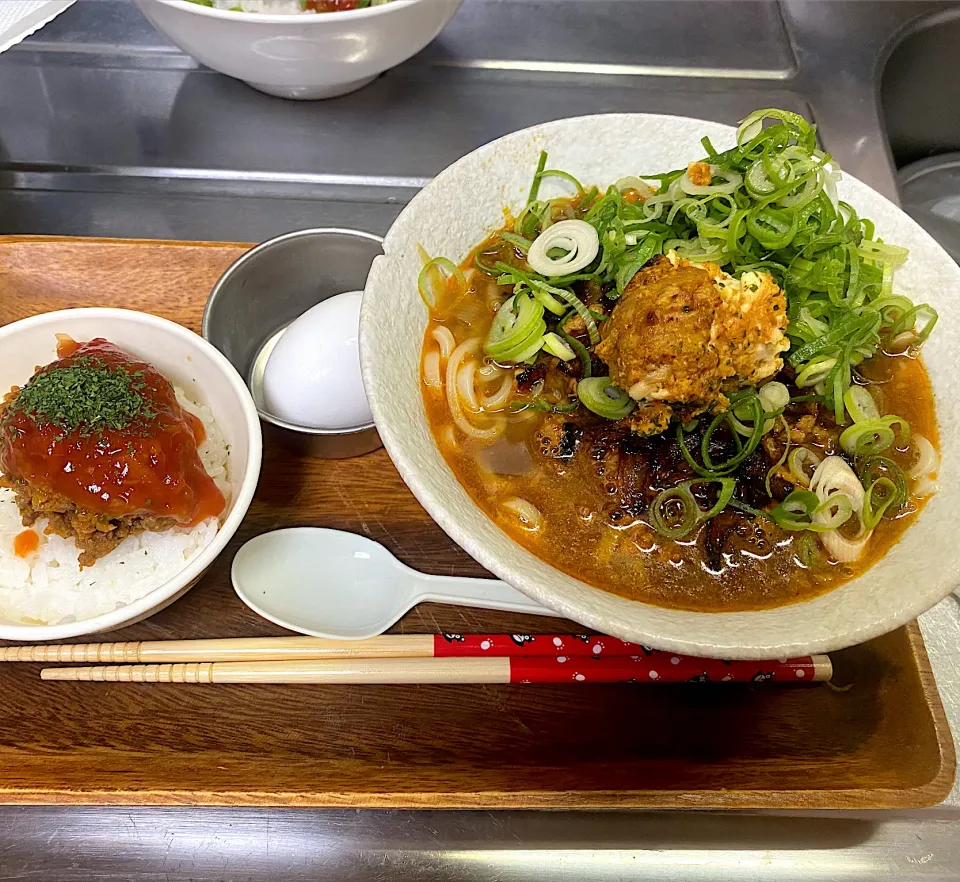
(572, 300)
(542, 405)
(815, 371)
(730, 181)
(576, 240)
(632, 182)
(599, 395)
(434, 279)
(802, 463)
(686, 513)
(874, 509)
(555, 345)
(517, 326)
(871, 469)
(860, 404)
(804, 510)
(872, 436)
(927, 458)
(783, 456)
(549, 301)
(774, 396)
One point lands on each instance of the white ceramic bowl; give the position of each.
(191, 363)
(463, 205)
(302, 56)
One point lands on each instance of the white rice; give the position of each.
(49, 586)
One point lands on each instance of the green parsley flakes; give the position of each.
(85, 395)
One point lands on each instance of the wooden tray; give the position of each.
(882, 744)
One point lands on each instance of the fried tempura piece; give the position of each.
(684, 334)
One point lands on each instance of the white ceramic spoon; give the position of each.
(328, 583)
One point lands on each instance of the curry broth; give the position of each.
(580, 534)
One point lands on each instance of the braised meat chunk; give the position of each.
(684, 334)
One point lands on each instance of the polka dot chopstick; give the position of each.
(384, 671)
(407, 658)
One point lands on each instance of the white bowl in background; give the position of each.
(307, 56)
(191, 363)
(463, 205)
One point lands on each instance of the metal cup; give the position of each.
(264, 291)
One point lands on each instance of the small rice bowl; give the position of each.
(50, 588)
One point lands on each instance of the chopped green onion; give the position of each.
(518, 242)
(434, 278)
(599, 395)
(530, 349)
(774, 396)
(873, 469)
(576, 241)
(874, 510)
(512, 276)
(783, 456)
(489, 270)
(809, 552)
(572, 300)
(751, 406)
(675, 512)
(555, 345)
(798, 510)
(549, 301)
(748, 509)
(557, 173)
(873, 435)
(802, 463)
(537, 175)
(815, 371)
(543, 406)
(586, 362)
(517, 330)
(916, 323)
(860, 404)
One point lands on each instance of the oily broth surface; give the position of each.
(577, 536)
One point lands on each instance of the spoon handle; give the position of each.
(481, 593)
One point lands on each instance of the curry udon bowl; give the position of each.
(465, 204)
(190, 363)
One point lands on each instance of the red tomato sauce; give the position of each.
(149, 468)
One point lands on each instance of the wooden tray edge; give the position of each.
(921, 797)
(937, 789)
(108, 240)
(929, 794)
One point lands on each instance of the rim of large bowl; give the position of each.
(235, 267)
(267, 18)
(144, 605)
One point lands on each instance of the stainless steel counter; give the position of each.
(105, 129)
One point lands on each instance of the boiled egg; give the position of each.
(312, 377)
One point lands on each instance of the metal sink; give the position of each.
(920, 96)
(920, 89)
(107, 130)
